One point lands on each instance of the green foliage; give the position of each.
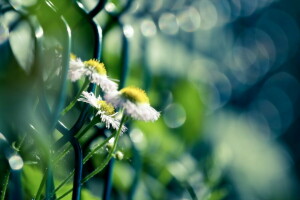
(123, 175)
(31, 185)
(217, 195)
(188, 95)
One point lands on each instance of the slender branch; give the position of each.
(87, 157)
(61, 155)
(39, 192)
(98, 169)
(5, 184)
(78, 136)
(64, 182)
(105, 162)
(65, 194)
(73, 102)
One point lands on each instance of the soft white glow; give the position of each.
(168, 23)
(15, 162)
(174, 115)
(189, 19)
(148, 28)
(128, 31)
(2, 137)
(4, 33)
(110, 7)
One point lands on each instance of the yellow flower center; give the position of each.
(98, 66)
(73, 56)
(106, 107)
(135, 94)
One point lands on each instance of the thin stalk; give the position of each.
(72, 103)
(5, 184)
(90, 154)
(61, 155)
(105, 162)
(39, 192)
(65, 194)
(18, 147)
(87, 157)
(78, 136)
(64, 182)
(98, 169)
(94, 121)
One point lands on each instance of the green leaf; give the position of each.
(123, 175)
(31, 179)
(184, 93)
(218, 194)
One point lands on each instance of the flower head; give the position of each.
(135, 103)
(97, 74)
(76, 68)
(105, 110)
(134, 94)
(94, 70)
(96, 66)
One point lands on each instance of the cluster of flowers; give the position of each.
(132, 101)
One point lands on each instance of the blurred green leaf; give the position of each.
(31, 179)
(123, 175)
(22, 46)
(218, 195)
(188, 95)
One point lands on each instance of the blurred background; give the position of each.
(223, 73)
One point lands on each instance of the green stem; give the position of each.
(65, 194)
(18, 147)
(99, 169)
(72, 103)
(45, 152)
(105, 162)
(64, 182)
(94, 121)
(39, 192)
(5, 184)
(78, 136)
(87, 157)
(63, 153)
(90, 154)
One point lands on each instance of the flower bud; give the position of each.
(119, 155)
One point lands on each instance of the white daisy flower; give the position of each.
(97, 74)
(135, 103)
(76, 68)
(105, 110)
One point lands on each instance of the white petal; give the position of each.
(111, 121)
(138, 111)
(114, 98)
(142, 112)
(90, 98)
(103, 81)
(76, 69)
